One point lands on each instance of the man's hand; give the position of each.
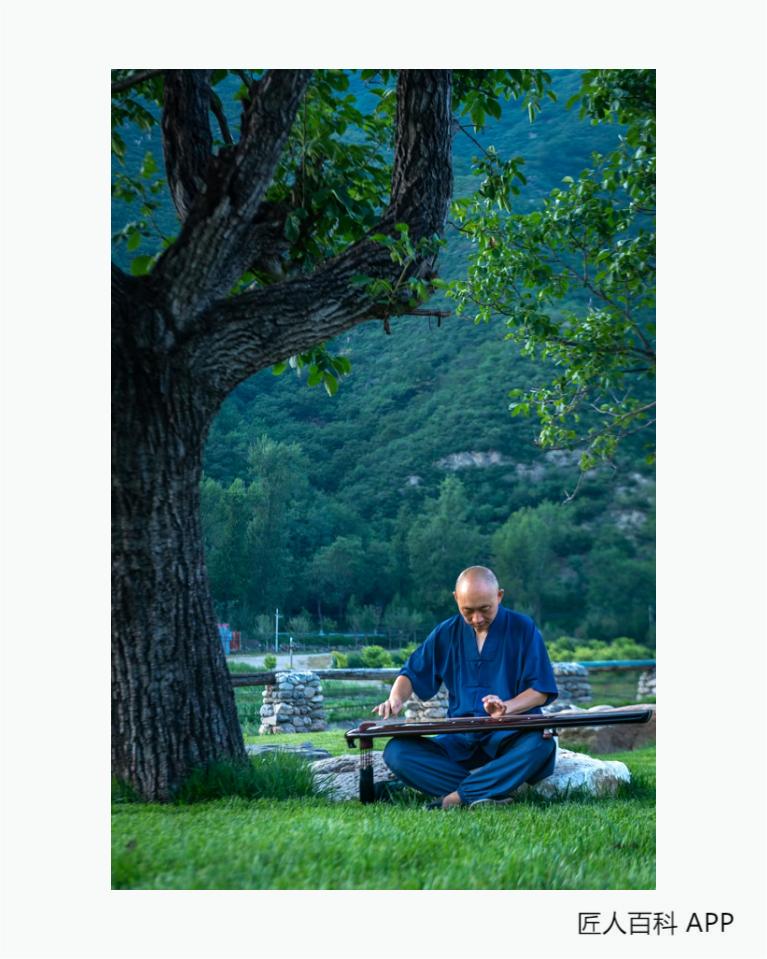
(497, 709)
(494, 706)
(389, 708)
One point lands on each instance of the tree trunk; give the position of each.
(180, 345)
(172, 701)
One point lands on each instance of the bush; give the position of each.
(399, 656)
(270, 661)
(565, 649)
(339, 660)
(376, 657)
(355, 661)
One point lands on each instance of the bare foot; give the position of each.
(452, 799)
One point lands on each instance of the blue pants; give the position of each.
(424, 764)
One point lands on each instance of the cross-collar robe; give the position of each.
(513, 659)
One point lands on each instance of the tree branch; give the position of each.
(218, 113)
(222, 229)
(187, 140)
(120, 85)
(241, 335)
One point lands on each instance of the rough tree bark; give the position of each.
(180, 345)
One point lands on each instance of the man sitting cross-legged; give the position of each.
(493, 662)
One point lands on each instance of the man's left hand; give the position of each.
(494, 706)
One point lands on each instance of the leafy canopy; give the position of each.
(574, 278)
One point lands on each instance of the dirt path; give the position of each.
(300, 660)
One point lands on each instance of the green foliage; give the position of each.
(442, 541)
(567, 648)
(300, 623)
(400, 656)
(528, 555)
(376, 657)
(339, 660)
(237, 667)
(478, 93)
(408, 290)
(270, 776)
(362, 619)
(575, 277)
(270, 661)
(322, 368)
(340, 569)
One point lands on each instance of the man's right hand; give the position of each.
(390, 707)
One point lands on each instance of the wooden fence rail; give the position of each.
(388, 675)
(269, 678)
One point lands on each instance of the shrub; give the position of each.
(566, 648)
(399, 656)
(376, 657)
(355, 661)
(339, 660)
(270, 661)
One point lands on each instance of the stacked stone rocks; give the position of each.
(573, 683)
(420, 710)
(646, 684)
(292, 705)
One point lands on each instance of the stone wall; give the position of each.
(292, 705)
(646, 683)
(418, 710)
(573, 683)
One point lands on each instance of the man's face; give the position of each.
(478, 604)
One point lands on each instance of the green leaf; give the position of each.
(148, 167)
(315, 375)
(141, 265)
(118, 146)
(133, 240)
(477, 115)
(279, 368)
(331, 384)
(493, 107)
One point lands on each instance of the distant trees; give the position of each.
(620, 594)
(528, 555)
(443, 540)
(247, 532)
(579, 576)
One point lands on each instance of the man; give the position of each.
(493, 662)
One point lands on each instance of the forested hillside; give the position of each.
(362, 507)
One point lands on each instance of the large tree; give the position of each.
(182, 342)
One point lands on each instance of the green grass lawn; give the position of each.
(311, 843)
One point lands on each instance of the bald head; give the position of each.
(478, 597)
(477, 576)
